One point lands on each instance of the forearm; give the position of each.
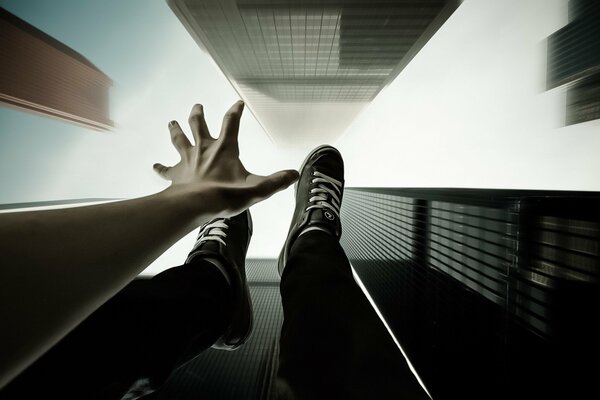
(58, 266)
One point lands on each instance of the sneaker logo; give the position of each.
(329, 215)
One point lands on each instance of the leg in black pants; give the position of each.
(333, 345)
(147, 330)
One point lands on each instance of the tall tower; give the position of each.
(40, 74)
(307, 68)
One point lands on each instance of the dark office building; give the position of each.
(40, 74)
(574, 61)
(306, 68)
(491, 293)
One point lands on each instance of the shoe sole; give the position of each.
(283, 254)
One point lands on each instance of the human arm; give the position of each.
(58, 266)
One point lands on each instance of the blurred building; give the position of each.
(307, 68)
(574, 61)
(40, 74)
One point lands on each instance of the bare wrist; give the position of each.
(185, 204)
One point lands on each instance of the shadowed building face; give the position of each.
(307, 68)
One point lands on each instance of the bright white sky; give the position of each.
(469, 111)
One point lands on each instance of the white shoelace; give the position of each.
(320, 192)
(212, 231)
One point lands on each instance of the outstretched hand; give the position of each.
(211, 168)
(64, 287)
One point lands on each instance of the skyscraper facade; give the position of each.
(491, 293)
(307, 68)
(40, 74)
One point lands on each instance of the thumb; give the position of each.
(266, 186)
(163, 171)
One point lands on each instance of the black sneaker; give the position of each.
(318, 197)
(224, 241)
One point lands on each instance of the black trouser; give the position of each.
(333, 345)
(143, 331)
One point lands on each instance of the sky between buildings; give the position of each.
(470, 110)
